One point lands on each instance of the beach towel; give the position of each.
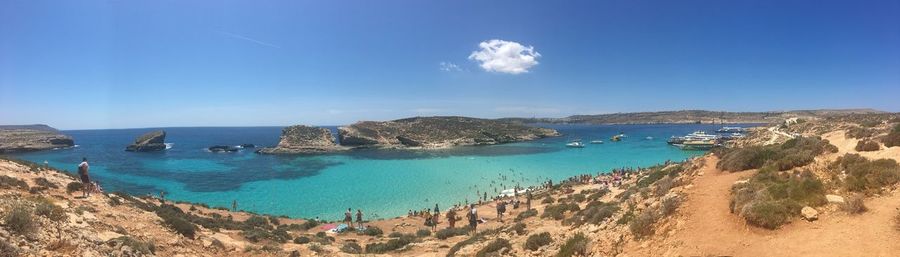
(340, 228)
(329, 226)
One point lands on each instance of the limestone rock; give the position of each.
(27, 138)
(300, 139)
(834, 199)
(438, 132)
(809, 213)
(152, 141)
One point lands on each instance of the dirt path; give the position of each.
(708, 228)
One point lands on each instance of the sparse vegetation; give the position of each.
(49, 210)
(7, 182)
(450, 232)
(535, 241)
(519, 228)
(351, 248)
(855, 204)
(137, 245)
(770, 198)
(423, 233)
(526, 214)
(74, 187)
(301, 240)
(390, 245)
(859, 132)
(558, 211)
(594, 213)
(8, 250)
(668, 206)
(575, 246)
(20, 221)
(892, 138)
(865, 176)
(867, 146)
(493, 247)
(792, 153)
(40, 181)
(373, 231)
(642, 225)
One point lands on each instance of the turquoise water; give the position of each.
(383, 183)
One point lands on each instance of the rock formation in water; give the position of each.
(26, 138)
(438, 132)
(222, 148)
(300, 139)
(152, 141)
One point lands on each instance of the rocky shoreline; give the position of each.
(28, 138)
(149, 142)
(301, 139)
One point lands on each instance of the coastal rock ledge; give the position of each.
(28, 138)
(438, 132)
(149, 142)
(300, 139)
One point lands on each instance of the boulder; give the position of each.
(248, 146)
(152, 141)
(27, 138)
(438, 132)
(300, 139)
(808, 213)
(834, 199)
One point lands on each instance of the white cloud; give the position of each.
(505, 56)
(248, 39)
(449, 66)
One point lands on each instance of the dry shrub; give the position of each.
(855, 204)
(867, 146)
(535, 241)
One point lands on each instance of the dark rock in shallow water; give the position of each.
(152, 141)
(438, 132)
(27, 138)
(301, 139)
(222, 148)
(248, 146)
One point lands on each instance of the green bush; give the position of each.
(301, 240)
(642, 225)
(258, 221)
(599, 194)
(256, 234)
(7, 182)
(770, 198)
(855, 204)
(373, 231)
(351, 248)
(47, 209)
(548, 200)
(310, 224)
(866, 176)
(174, 218)
(20, 221)
(74, 187)
(423, 233)
(858, 132)
(390, 245)
(8, 250)
(790, 154)
(525, 214)
(519, 228)
(867, 146)
(578, 197)
(451, 232)
(535, 241)
(558, 211)
(594, 213)
(495, 246)
(892, 138)
(40, 181)
(575, 246)
(668, 206)
(137, 245)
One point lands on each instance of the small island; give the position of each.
(438, 132)
(301, 139)
(149, 142)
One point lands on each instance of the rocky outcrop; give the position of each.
(300, 139)
(222, 148)
(809, 213)
(26, 138)
(149, 142)
(438, 132)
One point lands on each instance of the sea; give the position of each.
(382, 183)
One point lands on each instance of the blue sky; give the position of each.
(120, 64)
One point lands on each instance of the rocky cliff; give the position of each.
(27, 138)
(437, 132)
(694, 116)
(300, 139)
(152, 141)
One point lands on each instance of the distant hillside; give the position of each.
(26, 138)
(692, 116)
(39, 127)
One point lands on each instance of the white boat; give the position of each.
(576, 144)
(649, 138)
(596, 141)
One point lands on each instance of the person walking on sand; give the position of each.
(86, 186)
(348, 217)
(472, 216)
(359, 220)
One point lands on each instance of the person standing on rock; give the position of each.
(234, 205)
(472, 216)
(348, 217)
(86, 186)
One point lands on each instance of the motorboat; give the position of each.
(575, 144)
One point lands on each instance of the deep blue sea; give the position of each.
(383, 183)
